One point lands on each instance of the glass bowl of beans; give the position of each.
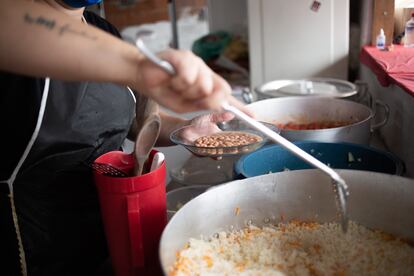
(220, 139)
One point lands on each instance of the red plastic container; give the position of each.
(134, 215)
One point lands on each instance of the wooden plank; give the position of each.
(383, 17)
(140, 12)
(144, 11)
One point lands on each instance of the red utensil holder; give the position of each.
(134, 214)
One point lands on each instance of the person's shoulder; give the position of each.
(100, 23)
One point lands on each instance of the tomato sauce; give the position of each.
(313, 125)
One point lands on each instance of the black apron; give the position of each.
(55, 200)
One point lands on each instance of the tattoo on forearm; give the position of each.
(51, 25)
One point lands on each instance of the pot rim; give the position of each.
(399, 164)
(360, 122)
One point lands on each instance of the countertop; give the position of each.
(391, 67)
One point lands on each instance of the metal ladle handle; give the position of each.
(340, 187)
(165, 65)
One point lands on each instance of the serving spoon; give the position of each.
(145, 141)
(339, 185)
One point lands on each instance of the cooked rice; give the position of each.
(297, 248)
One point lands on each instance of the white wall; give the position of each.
(288, 40)
(228, 15)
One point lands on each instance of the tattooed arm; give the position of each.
(38, 40)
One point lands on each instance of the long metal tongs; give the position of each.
(340, 187)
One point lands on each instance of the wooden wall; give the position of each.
(143, 11)
(383, 17)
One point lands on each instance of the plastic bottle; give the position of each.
(409, 32)
(380, 44)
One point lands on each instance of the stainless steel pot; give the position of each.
(321, 109)
(377, 201)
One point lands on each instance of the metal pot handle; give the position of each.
(386, 115)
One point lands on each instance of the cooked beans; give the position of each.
(227, 139)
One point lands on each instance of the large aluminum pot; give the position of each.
(311, 109)
(378, 201)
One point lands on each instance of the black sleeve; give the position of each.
(101, 23)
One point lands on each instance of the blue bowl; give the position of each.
(275, 158)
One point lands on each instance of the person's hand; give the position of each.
(204, 125)
(194, 87)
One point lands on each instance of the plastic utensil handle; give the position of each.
(341, 187)
(135, 230)
(157, 161)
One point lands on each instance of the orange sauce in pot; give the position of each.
(312, 125)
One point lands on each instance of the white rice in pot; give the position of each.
(297, 248)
